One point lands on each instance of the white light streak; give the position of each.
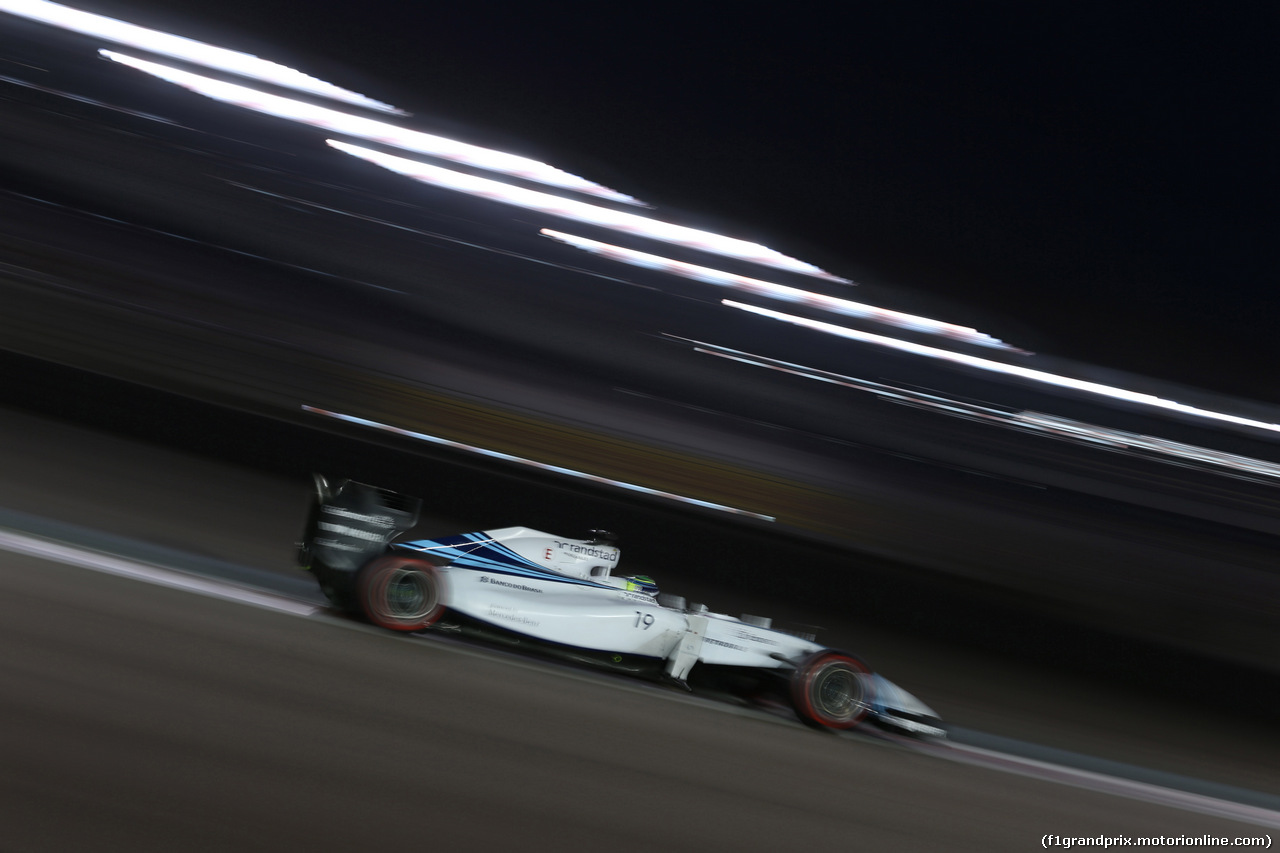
(1008, 369)
(1050, 425)
(369, 129)
(604, 217)
(780, 291)
(185, 49)
(1080, 431)
(543, 466)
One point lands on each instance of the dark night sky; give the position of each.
(1085, 181)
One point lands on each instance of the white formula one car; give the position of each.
(561, 597)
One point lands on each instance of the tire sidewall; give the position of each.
(373, 587)
(807, 682)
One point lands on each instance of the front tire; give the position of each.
(832, 690)
(400, 593)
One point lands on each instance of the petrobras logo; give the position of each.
(354, 533)
(753, 637)
(336, 545)
(379, 520)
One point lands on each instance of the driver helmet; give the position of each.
(642, 583)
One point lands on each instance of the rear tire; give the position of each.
(831, 690)
(400, 593)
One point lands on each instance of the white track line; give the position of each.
(72, 556)
(1106, 784)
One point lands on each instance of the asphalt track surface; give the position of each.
(139, 717)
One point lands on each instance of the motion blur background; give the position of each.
(1074, 479)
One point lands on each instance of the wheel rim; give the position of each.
(837, 693)
(408, 595)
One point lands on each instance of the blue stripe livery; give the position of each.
(477, 551)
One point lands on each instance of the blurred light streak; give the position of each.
(1026, 421)
(83, 100)
(542, 466)
(434, 235)
(603, 217)
(172, 235)
(780, 291)
(368, 129)
(185, 49)
(1067, 428)
(1008, 369)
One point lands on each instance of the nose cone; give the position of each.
(897, 709)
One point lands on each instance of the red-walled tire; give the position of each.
(832, 690)
(400, 593)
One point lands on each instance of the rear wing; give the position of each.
(350, 523)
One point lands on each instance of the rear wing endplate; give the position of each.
(350, 523)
